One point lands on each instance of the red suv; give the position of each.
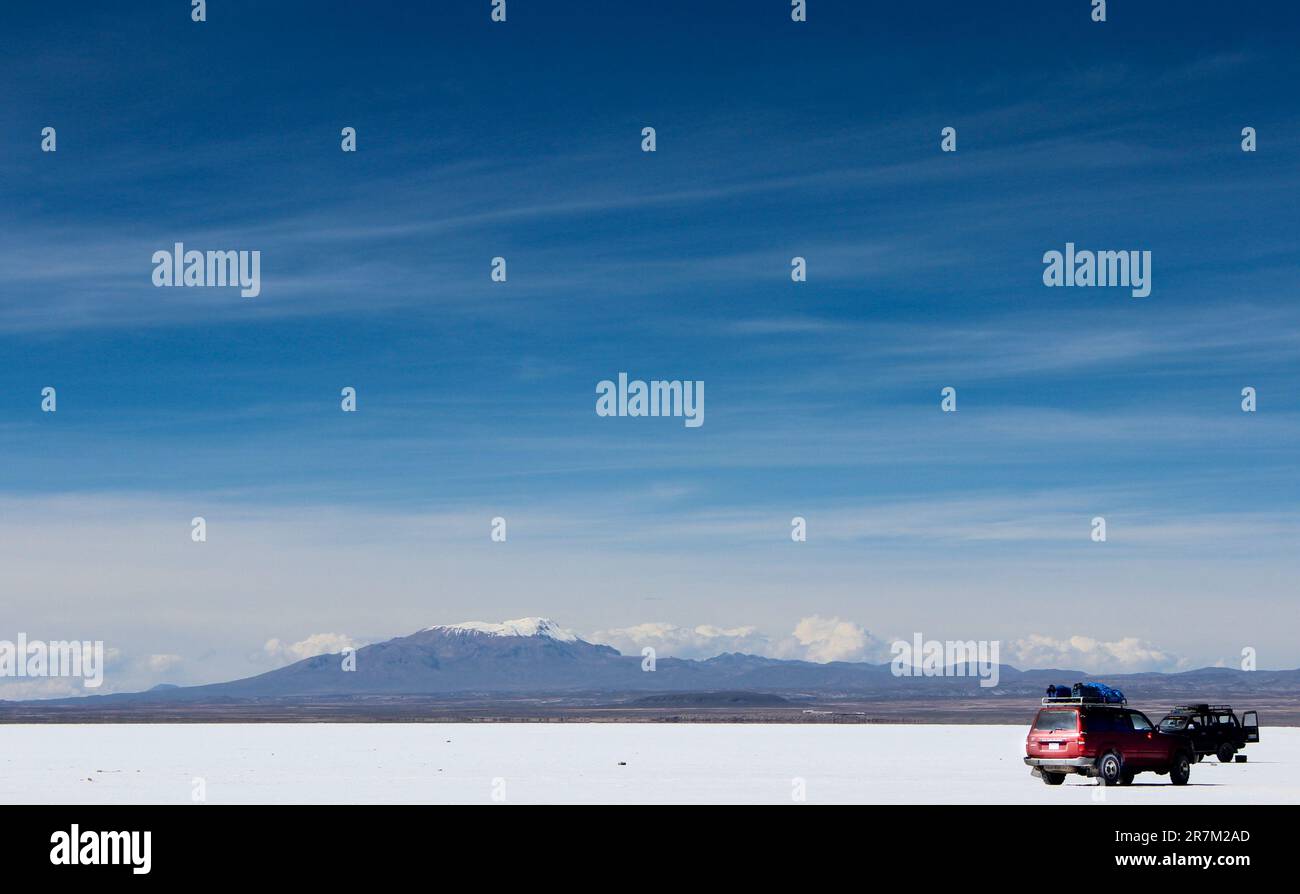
(1110, 741)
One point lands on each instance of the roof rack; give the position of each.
(1203, 707)
(1092, 702)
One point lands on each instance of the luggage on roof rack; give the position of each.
(1084, 694)
(1099, 692)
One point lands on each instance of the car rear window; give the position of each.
(1057, 719)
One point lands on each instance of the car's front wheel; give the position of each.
(1053, 778)
(1110, 768)
(1181, 770)
(1225, 754)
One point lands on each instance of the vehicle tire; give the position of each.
(1053, 778)
(1225, 753)
(1127, 778)
(1180, 770)
(1110, 768)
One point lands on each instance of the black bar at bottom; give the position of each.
(339, 844)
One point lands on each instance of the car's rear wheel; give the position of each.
(1225, 754)
(1110, 767)
(1053, 778)
(1180, 770)
(1127, 778)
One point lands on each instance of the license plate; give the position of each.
(1053, 746)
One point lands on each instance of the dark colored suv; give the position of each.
(1109, 741)
(1213, 729)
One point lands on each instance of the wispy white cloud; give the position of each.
(162, 663)
(316, 644)
(703, 641)
(825, 639)
(1129, 654)
(814, 638)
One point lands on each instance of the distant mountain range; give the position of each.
(534, 656)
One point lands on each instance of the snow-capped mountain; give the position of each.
(521, 627)
(526, 654)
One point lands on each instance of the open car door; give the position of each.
(1250, 725)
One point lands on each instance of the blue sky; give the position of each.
(476, 399)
